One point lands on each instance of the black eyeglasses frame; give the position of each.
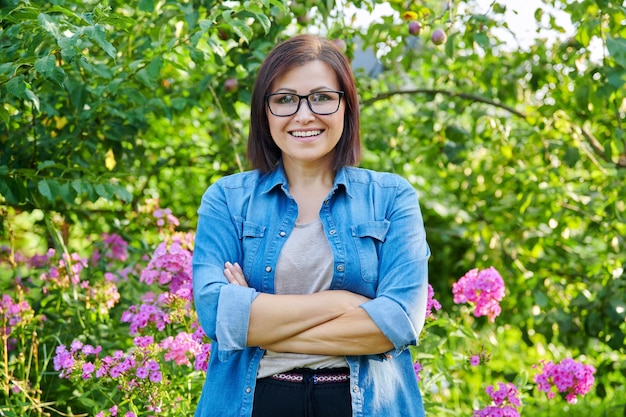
(304, 97)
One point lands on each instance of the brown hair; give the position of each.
(263, 153)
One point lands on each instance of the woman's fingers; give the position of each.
(234, 274)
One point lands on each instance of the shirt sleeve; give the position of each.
(399, 308)
(223, 309)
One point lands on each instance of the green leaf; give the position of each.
(4, 115)
(45, 164)
(122, 193)
(617, 49)
(50, 189)
(49, 24)
(146, 5)
(98, 35)
(47, 66)
(68, 194)
(20, 89)
(150, 73)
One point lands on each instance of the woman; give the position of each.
(310, 275)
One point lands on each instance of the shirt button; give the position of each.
(248, 390)
(333, 231)
(282, 234)
(355, 388)
(268, 269)
(340, 268)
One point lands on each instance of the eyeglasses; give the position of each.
(320, 102)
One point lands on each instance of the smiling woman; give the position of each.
(310, 275)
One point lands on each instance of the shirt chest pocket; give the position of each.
(368, 238)
(251, 236)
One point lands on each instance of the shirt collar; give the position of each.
(277, 177)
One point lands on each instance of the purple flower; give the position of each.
(505, 399)
(475, 360)
(156, 376)
(142, 372)
(417, 367)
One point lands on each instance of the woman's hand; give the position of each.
(234, 274)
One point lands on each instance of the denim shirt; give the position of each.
(376, 234)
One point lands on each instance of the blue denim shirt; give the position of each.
(375, 230)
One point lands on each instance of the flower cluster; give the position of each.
(431, 303)
(569, 377)
(13, 314)
(114, 248)
(137, 370)
(170, 265)
(67, 272)
(505, 400)
(484, 289)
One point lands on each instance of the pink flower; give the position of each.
(176, 349)
(484, 289)
(475, 360)
(569, 377)
(431, 303)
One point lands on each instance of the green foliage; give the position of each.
(519, 154)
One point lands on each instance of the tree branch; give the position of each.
(434, 92)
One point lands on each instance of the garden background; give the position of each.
(115, 116)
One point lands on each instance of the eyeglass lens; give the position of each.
(320, 102)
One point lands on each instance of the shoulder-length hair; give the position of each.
(263, 153)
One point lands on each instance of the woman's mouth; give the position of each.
(305, 134)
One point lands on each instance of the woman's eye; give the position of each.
(320, 98)
(286, 99)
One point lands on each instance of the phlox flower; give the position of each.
(201, 362)
(156, 376)
(569, 377)
(63, 361)
(143, 316)
(170, 265)
(431, 303)
(165, 216)
(484, 289)
(142, 372)
(88, 369)
(176, 348)
(115, 247)
(417, 367)
(143, 341)
(505, 401)
(15, 313)
(152, 365)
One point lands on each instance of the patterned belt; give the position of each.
(316, 379)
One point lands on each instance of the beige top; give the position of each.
(305, 266)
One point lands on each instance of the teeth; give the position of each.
(308, 133)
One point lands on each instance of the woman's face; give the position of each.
(306, 138)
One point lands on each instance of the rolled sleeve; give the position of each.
(233, 314)
(223, 309)
(399, 308)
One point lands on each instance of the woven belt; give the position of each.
(316, 379)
